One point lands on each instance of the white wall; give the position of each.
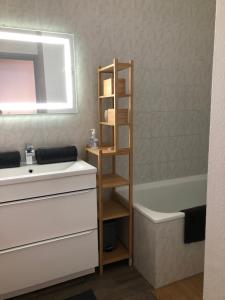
(214, 283)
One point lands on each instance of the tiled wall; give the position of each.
(171, 43)
(174, 83)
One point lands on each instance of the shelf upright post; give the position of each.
(115, 79)
(99, 184)
(100, 106)
(100, 210)
(114, 128)
(130, 113)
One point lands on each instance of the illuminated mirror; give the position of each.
(37, 72)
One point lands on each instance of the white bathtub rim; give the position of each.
(169, 182)
(156, 216)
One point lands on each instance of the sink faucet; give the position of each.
(29, 154)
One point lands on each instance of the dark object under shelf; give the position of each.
(56, 155)
(109, 236)
(10, 159)
(194, 224)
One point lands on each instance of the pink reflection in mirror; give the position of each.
(17, 82)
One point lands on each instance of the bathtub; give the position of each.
(160, 254)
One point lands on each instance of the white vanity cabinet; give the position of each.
(48, 239)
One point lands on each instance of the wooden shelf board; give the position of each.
(113, 209)
(123, 66)
(106, 69)
(108, 151)
(120, 253)
(112, 96)
(106, 123)
(110, 124)
(105, 97)
(113, 180)
(110, 68)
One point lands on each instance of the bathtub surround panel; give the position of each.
(160, 254)
(171, 43)
(144, 239)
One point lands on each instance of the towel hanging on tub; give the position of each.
(194, 224)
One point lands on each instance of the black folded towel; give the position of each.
(10, 159)
(194, 224)
(55, 155)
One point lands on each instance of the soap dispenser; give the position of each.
(93, 142)
(30, 154)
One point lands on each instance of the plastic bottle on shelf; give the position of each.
(93, 142)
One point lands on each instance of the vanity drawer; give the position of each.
(38, 263)
(27, 221)
(28, 188)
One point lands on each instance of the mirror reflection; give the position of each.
(36, 72)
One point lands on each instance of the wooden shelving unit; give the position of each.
(114, 207)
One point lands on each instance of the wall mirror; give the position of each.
(37, 72)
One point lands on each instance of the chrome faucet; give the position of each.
(29, 154)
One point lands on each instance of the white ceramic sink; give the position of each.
(38, 180)
(38, 172)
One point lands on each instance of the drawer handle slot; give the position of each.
(45, 197)
(46, 242)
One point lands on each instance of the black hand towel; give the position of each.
(194, 224)
(55, 155)
(10, 159)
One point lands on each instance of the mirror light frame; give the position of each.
(64, 39)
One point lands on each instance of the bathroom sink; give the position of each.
(37, 180)
(38, 172)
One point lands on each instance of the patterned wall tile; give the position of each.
(171, 43)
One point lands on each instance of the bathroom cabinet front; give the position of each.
(48, 239)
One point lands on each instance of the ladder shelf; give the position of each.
(112, 206)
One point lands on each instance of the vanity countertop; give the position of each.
(36, 172)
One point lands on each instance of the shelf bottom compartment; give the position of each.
(120, 253)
